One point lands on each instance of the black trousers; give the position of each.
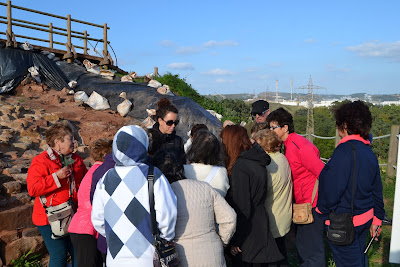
(310, 243)
(86, 252)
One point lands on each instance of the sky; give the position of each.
(226, 47)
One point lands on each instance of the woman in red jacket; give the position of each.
(51, 174)
(306, 165)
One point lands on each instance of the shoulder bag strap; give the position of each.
(354, 179)
(314, 192)
(211, 176)
(150, 179)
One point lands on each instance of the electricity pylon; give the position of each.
(310, 107)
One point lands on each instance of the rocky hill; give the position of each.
(24, 116)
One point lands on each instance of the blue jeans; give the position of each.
(353, 254)
(57, 248)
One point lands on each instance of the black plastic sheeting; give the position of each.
(142, 96)
(14, 64)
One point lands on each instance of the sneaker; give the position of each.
(386, 220)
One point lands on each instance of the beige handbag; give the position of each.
(302, 213)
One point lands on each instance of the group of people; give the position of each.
(219, 198)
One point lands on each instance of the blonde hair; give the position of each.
(268, 140)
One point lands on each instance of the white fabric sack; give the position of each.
(97, 102)
(72, 84)
(34, 71)
(154, 84)
(81, 96)
(124, 107)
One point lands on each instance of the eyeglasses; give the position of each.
(254, 114)
(170, 122)
(274, 127)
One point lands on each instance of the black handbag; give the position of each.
(165, 252)
(341, 228)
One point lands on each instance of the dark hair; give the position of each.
(170, 165)
(100, 148)
(235, 141)
(258, 127)
(164, 106)
(355, 117)
(205, 149)
(197, 127)
(268, 140)
(282, 117)
(57, 132)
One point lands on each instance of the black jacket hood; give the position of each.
(256, 153)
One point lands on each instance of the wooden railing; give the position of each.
(68, 32)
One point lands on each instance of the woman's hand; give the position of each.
(235, 250)
(63, 173)
(372, 231)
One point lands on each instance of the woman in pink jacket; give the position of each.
(83, 235)
(306, 165)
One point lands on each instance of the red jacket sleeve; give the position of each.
(40, 180)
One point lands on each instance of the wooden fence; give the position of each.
(393, 147)
(10, 33)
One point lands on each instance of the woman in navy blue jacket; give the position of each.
(353, 121)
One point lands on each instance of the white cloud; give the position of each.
(166, 43)
(213, 43)
(310, 40)
(333, 68)
(218, 72)
(180, 66)
(335, 43)
(389, 50)
(188, 50)
(219, 80)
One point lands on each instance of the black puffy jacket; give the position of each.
(169, 142)
(247, 195)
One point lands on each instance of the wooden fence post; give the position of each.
(105, 61)
(51, 35)
(85, 42)
(9, 24)
(155, 72)
(393, 145)
(337, 138)
(69, 42)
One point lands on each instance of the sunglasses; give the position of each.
(274, 127)
(254, 114)
(170, 122)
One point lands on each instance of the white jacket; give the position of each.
(121, 210)
(200, 172)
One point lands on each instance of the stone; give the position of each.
(12, 187)
(41, 123)
(18, 217)
(9, 236)
(30, 154)
(31, 232)
(21, 246)
(51, 117)
(20, 177)
(21, 198)
(32, 131)
(12, 154)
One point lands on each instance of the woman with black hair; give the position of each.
(200, 208)
(163, 133)
(353, 121)
(206, 163)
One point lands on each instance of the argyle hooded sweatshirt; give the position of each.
(121, 210)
